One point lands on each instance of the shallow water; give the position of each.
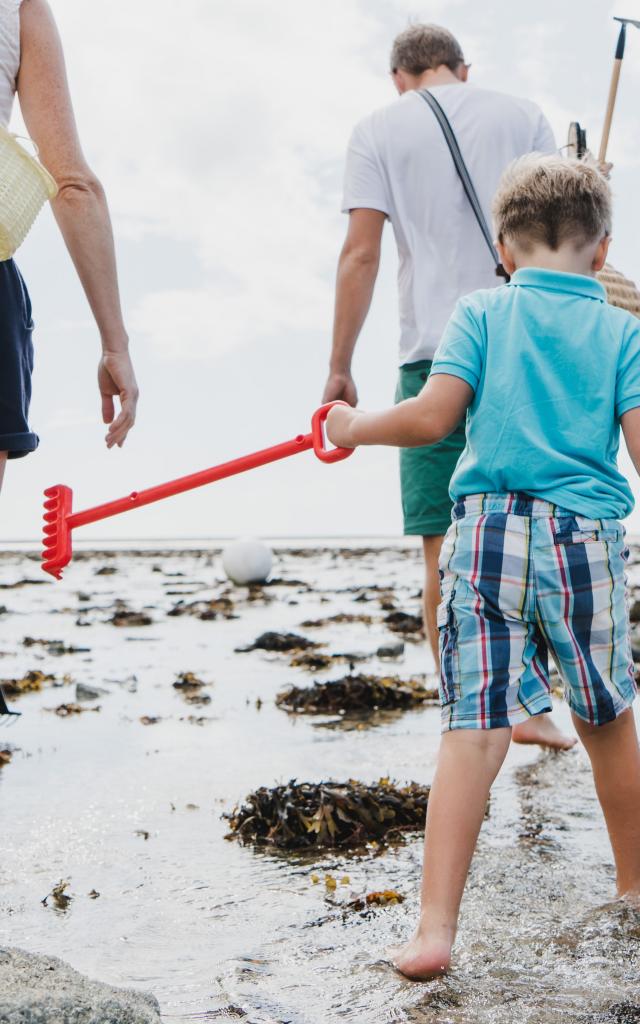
(218, 931)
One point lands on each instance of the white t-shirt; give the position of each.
(398, 162)
(9, 55)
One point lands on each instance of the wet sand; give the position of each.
(218, 931)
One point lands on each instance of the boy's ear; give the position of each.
(506, 257)
(600, 255)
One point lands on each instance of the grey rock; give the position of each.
(44, 990)
(84, 692)
(391, 650)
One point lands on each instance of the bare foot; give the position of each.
(421, 959)
(542, 730)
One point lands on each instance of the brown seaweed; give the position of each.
(31, 682)
(282, 643)
(339, 619)
(190, 688)
(54, 647)
(403, 622)
(355, 694)
(126, 617)
(304, 815)
(205, 610)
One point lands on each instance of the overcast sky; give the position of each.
(219, 132)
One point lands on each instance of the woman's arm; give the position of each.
(426, 419)
(80, 207)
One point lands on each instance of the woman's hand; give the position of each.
(116, 377)
(339, 422)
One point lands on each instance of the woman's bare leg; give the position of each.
(468, 762)
(615, 759)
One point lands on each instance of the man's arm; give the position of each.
(426, 419)
(357, 271)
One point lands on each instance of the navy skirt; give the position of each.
(16, 363)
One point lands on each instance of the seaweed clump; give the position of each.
(31, 682)
(334, 815)
(403, 622)
(355, 694)
(282, 643)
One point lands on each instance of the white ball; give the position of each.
(247, 561)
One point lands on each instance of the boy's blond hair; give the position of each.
(551, 200)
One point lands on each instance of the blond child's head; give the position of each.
(552, 211)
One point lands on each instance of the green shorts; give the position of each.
(425, 472)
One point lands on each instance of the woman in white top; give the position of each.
(32, 64)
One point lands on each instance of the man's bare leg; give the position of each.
(540, 729)
(615, 760)
(468, 762)
(431, 547)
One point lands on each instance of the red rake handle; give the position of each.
(301, 443)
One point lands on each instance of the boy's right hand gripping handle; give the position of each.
(318, 421)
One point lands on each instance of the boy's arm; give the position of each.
(426, 419)
(630, 423)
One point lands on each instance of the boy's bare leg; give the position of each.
(541, 729)
(3, 462)
(468, 762)
(615, 759)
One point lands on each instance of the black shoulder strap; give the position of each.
(464, 175)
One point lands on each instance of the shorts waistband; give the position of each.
(515, 504)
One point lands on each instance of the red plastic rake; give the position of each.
(60, 520)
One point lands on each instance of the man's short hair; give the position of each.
(425, 47)
(551, 199)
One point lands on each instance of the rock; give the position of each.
(84, 692)
(45, 990)
(391, 650)
(634, 611)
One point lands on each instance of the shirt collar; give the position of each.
(556, 281)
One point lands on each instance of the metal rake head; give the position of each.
(56, 541)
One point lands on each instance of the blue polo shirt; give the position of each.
(553, 367)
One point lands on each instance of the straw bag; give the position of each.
(25, 186)
(620, 290)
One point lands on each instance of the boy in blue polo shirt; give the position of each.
(533, 564)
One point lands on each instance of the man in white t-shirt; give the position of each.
(399, 167)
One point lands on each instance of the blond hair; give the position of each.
(425, 47)
(551, 199)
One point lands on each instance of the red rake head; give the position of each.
(57, 532)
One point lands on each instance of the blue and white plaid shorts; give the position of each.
(521, 579)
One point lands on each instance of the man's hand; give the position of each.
(340, 387)
(116, 377)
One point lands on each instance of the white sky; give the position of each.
(219, 131)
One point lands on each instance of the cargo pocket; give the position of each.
(449, 658)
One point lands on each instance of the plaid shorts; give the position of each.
(521, 578)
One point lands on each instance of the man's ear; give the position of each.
(462, 72)
(403, 81)
(506, 257)
(600, 255)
